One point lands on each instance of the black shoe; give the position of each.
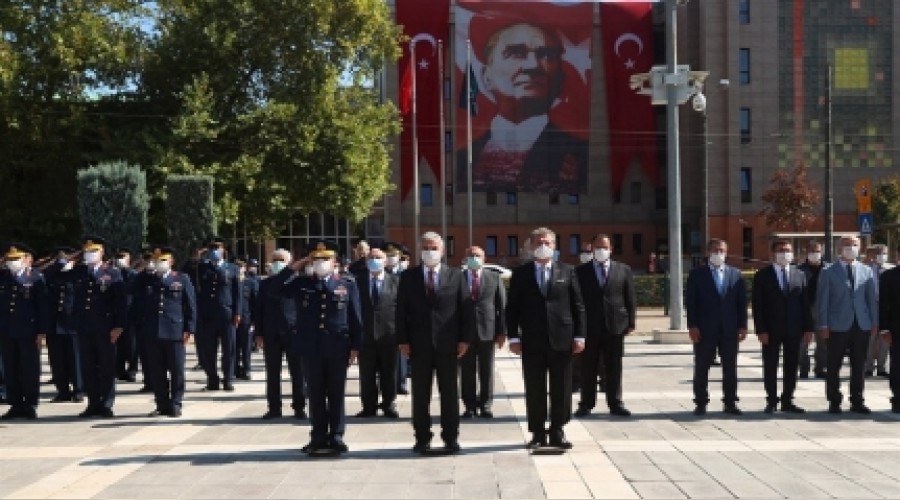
(770, 408)
(895, 408)
(732, 409)
(88, 413)
(716, 362)
(300, 414)
(339, 446)
(105, 413)
(243, 376)
(452, 447)
(537, 441)
(791, 408)
(11, 414)
(212, 386)
(158, 413)
(619, 411)
(61, 398)
(582, 412)
(176, 412)
(861, 409)
(271, 414)
(29, 413)
(469, 413)
(485, 413)
(558, 440)
(403, 392)
(700, 410)
(128, 377)
(365, 413)
(313, 448)
(145, 389)
(422, 447)
(197, 368)
(882, 373)
(228, 387)
(391, 412)
(78, 398)
(804, 375)
(869, 373)
(834, 408)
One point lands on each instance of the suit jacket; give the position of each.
(537, 321)
(275, 315)
(839, 301)
(889, 302)
(379, 321)
(707, 309)
(613, 307)
(490, 305)
(440, 321)
(778, 312)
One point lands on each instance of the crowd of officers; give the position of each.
(101, 317)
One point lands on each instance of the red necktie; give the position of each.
(431, 282)
(476, 285)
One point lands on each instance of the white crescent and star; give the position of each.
(628, 37)
(426, 37)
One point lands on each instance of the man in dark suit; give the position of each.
(249, 285)
(489, 298)
(435, 325)
(848, 315)
(782, 318)
(889, 322)
(716, 304)
(545, 321)
(378, 357)
(811, 268)
(610, 302)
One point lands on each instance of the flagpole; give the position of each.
(415, 152)
(443, 141)
(469, 131)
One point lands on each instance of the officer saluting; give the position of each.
(62, 337)
(23, 325)
(328, 339)
(219, 303)
(166, 312)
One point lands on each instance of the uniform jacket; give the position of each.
(61, 301)
(166, 306)
(100, 299)
(249, 296)
(23, 305)
(218, 290)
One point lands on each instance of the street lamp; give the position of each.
(699, 103)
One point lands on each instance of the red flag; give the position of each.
(424, 22)
(627, 30)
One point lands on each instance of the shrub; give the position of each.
(113, 204)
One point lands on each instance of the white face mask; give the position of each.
(150, 267)
(162, 267)
(278, 266)
(850, 252)
(543, 252)
(784, 258)
(121, 263)
(584, 257)
(602, 254)
(391, 260)
(431, 258)
(91, 257)
(814, 257)
(717, 259)
(403, 265)
(322, 268)
(881, 258)
(308, 270)
(67, 266)
(14, 266)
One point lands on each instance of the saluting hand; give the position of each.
(298, 265)
(763, 338)
(114, 334)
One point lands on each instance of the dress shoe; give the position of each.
(212, 386)
(537, 441)
(804, 375)
(271, 414)
(485, 413)
(791, 408)
(227, 387)
(158, 413)
(29, 413)
(619, 411)
(716, 362)
(12, 413)
(869, 373)
(243, 376)
(558, 440)
(452, 447)
(834, 408)
(365, 413)
(895, 407)
(732, 409)
(78, 398)
(422, 447)
(820, 374)
(176, 412)
(145, 389)
(391, 412)
(770, 408)
(582, 412)
(127, 377)
(105, 413)
(403, 392)
(88, 413)
(469, 413)
(861, 409)
(339, 446)
(312, 447)
(700, 410)
(882, 373)
(61, 398)
(300, 414)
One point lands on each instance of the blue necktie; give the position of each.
(720, 282)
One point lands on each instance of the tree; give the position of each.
(886, 208)
(113, 203)
(791, 201)
(191, 222)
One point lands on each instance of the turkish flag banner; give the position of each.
(424, 23)
(627, 37)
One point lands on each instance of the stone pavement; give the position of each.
(221, 449)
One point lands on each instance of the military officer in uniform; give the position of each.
(100, 305)
(62, 337)
(328, 339)
(127, 347)
(219, 304)
(23, 325)
(244, 338)
(166, 312)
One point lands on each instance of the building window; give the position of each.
(573, 199)
(637, 243)
(744, 11)
(426, 195)
(512, 246)
(617, 244)
(451, 246)
(490, 246)
(512, 198)
(746, 185)
(746, 126)
(635, 192)
(744, 66)
(574, 244)
(661, 199)
(748, 243)
(554, 198)
(491, 198)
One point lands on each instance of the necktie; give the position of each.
(720, 282)
(476, 285)
(602, 274)
(850, 273)
(431, 282)
(375, 293)
(543, 283)
(784, 279)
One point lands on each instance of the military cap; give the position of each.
(92, 243)
(253, 262)
(163, 253)
(320, 249)
(16, 250)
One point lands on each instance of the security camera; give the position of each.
(699, 102)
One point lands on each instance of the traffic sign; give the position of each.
(865, 224)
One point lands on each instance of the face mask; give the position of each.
(881, 259)
(717, 259)
(474, 263)
(584, 257)
(62, 262)
(91, 257)
(150, 267)
(215, 254)
(14, 266)
(814, 257)
(601, 254)
(784, 258)
(543, 252)
(403, 265)
(322, 268)
(67, 266)
(850, 252)
(278, 266)
(431, 258)
(308, 270)
(121, 263)
(392, 260)
(375, 265)
(162, 267)
(251, 271)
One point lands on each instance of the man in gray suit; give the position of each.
(848, 315)
(489, 298)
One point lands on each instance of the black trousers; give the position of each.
(214, 331)
(127, 353)
(895, 370)
(726, 344)
(326, 380)
(478, 363)
(857, 341)
(243, 343)
(771, 353)
(378, 374)
(22, 367)
(427, 363)
(536, 368)
(275, 349)
(165, 361)
(602, 356)
(65, 365)
(98, 368)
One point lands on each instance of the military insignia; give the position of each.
(175, 287)
(26, 290)
(340, 290)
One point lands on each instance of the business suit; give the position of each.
(889, 320)
(546, 323)
(820, 352)
(849, 310)
(433, 323)
(489, 301)
(784, 313)
(378, 357)
(877, 352)
(718, 316)
(611, 307)
(275, 320)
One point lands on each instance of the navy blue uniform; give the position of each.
(329, 326)
(244, 339)
(100, 306)
(218, 301)
(62, 337)
(23, 315)
(127, 346)
(275, 320)
(165, 311)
